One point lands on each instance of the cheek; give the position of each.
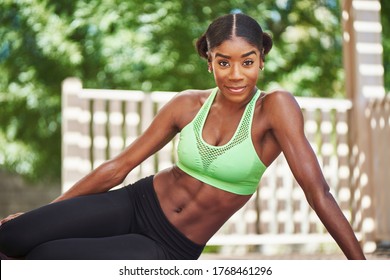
(253, 74)
(218, 77)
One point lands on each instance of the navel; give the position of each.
(178, 209)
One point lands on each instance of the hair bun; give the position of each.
(201, 46)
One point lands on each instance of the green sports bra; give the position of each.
(234, 167)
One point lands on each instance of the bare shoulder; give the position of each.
(279, 97)
(281, 105)
(185, 105)
(191, 97)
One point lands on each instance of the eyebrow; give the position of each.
(227, 56)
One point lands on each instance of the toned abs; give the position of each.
(194, 208)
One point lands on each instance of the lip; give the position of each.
(236, 89)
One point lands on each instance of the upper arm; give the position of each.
(161, 130)
(287, 124)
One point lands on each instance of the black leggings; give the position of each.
(127, 223)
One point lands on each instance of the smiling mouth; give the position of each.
(236, 89)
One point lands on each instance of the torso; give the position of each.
(196, 209)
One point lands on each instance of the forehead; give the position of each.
(236, 46)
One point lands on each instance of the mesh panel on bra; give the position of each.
(210, 153)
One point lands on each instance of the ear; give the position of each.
(209, 67)
(208, 57)
(261, 64)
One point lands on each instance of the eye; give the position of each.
(248, 62)
(223, 63)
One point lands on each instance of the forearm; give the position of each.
(338, 227)
(100, 180)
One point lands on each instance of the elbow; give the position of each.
(114, 174)
(317, 197)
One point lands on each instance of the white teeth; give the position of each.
(236, 90)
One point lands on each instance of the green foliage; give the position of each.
(385, 12)
(146, 45)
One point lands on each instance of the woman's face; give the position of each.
(236, 64)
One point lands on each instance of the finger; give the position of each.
(10, 217)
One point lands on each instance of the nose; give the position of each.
(235, 73)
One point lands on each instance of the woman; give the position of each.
(228, 136)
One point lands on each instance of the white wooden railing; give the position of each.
(97, 124)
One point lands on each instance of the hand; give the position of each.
(10, 217)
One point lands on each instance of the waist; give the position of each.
(195, 208)
(155, 224)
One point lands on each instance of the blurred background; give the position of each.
(140, 45)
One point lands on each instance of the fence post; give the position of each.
(364, 81)
(75, 134)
